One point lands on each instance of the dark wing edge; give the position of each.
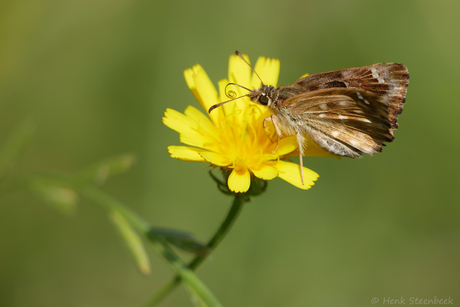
(387, 80)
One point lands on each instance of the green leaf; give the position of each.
(182, 240)
(54, 193)
(99, 172)
(14, 146)
(132, 240)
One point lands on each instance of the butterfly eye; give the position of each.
(263, 100)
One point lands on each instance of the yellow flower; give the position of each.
(233, 136)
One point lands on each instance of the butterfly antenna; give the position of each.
(241, 56)
(222, 103)
(230, 94)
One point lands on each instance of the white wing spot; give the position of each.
(374, 73)
(342, 117)
(335, 134)
(323, 106)
(377, 76)
(322, 115)
(366, 102)
(343, 103)
(367, 121)
(359, 95)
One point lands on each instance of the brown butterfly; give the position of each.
(347, 112)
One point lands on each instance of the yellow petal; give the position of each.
(291, 173)
(207, 92)
(266, 172)
(274, 72)
(190, 127)
(216, 158)
(287, 145)
(193, 138)
(204, 124)
(268, 70)
(260, 64)
(177, 121)
(186, 153)
(239, 180)
(303, 76)
(239, 72)
(190, 80)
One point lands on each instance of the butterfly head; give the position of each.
(264, 95)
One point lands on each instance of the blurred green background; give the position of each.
(96, 76)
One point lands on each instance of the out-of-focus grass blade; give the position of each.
(196, 286)
(14, 145)
(99, 172)
(55, 194)
(182, 240)
(133, 241)
(195, 298)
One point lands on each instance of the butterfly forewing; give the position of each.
(386, 80)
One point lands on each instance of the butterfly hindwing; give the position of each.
(346, 122)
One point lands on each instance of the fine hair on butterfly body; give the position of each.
(346, 112)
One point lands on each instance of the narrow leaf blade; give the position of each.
(133, 241)
(100, 172)
(180, 239)
(14, 146)
(54, 193)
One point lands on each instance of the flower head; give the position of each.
(233, 137)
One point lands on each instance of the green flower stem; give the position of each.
(221, 232)
(212, 244)
(186, 274)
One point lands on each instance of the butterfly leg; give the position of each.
(300, 142)
(275, 122)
